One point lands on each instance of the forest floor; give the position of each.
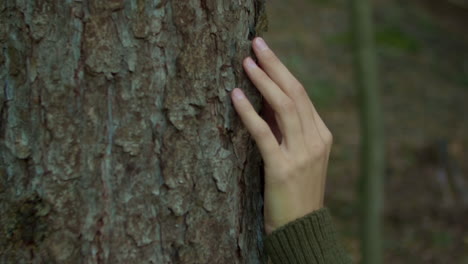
(423, 65)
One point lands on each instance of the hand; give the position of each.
(293, 140)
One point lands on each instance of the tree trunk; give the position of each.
(118, 140)
(372, 140)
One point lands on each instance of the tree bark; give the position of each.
(118, 140)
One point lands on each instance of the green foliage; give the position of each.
(394, 38)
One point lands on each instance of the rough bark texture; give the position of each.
(118, 140)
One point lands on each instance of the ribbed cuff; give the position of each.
(309, 239)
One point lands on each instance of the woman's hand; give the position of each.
(293, 140)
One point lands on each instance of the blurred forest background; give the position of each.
(422, 49)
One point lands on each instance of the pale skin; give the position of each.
(292, 138)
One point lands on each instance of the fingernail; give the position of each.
(250, 63)
(260, 44)
(238, 94)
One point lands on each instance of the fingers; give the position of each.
(311, 122)
(257, 127)
(289, 122)
(314, 130)
(274, 68)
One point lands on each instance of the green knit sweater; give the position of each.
(309, 239)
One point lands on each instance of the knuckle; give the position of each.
(303, 162)
(299, 90)
(318, 151)
(287, 105)
(328, 138)
(261, 131)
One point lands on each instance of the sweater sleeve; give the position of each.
(306, 240)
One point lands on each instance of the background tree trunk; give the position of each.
(372, 141)
(119, 143)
